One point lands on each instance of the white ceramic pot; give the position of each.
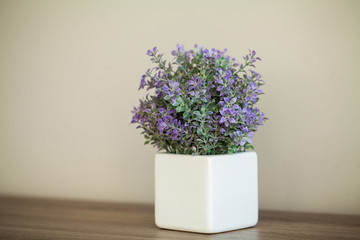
(206, 194)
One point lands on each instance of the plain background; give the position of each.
(70, 70)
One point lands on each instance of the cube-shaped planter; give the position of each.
(206, 194)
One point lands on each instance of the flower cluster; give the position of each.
(202, 102)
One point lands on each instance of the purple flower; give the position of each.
(195, 83)
(200, 103)
(232, 120)
(222, 120)
(142, 82)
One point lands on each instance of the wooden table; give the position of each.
(30, 218)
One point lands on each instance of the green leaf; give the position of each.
(186, 114)
(248, 146)
(180, 100)
(195, 123)
(179, 109)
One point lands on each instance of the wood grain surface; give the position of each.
(31, 218)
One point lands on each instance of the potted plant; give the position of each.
(201, 114)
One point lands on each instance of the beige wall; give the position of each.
(69, 73)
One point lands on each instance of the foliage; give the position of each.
(202, 102)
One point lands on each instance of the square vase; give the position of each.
(206, 194)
